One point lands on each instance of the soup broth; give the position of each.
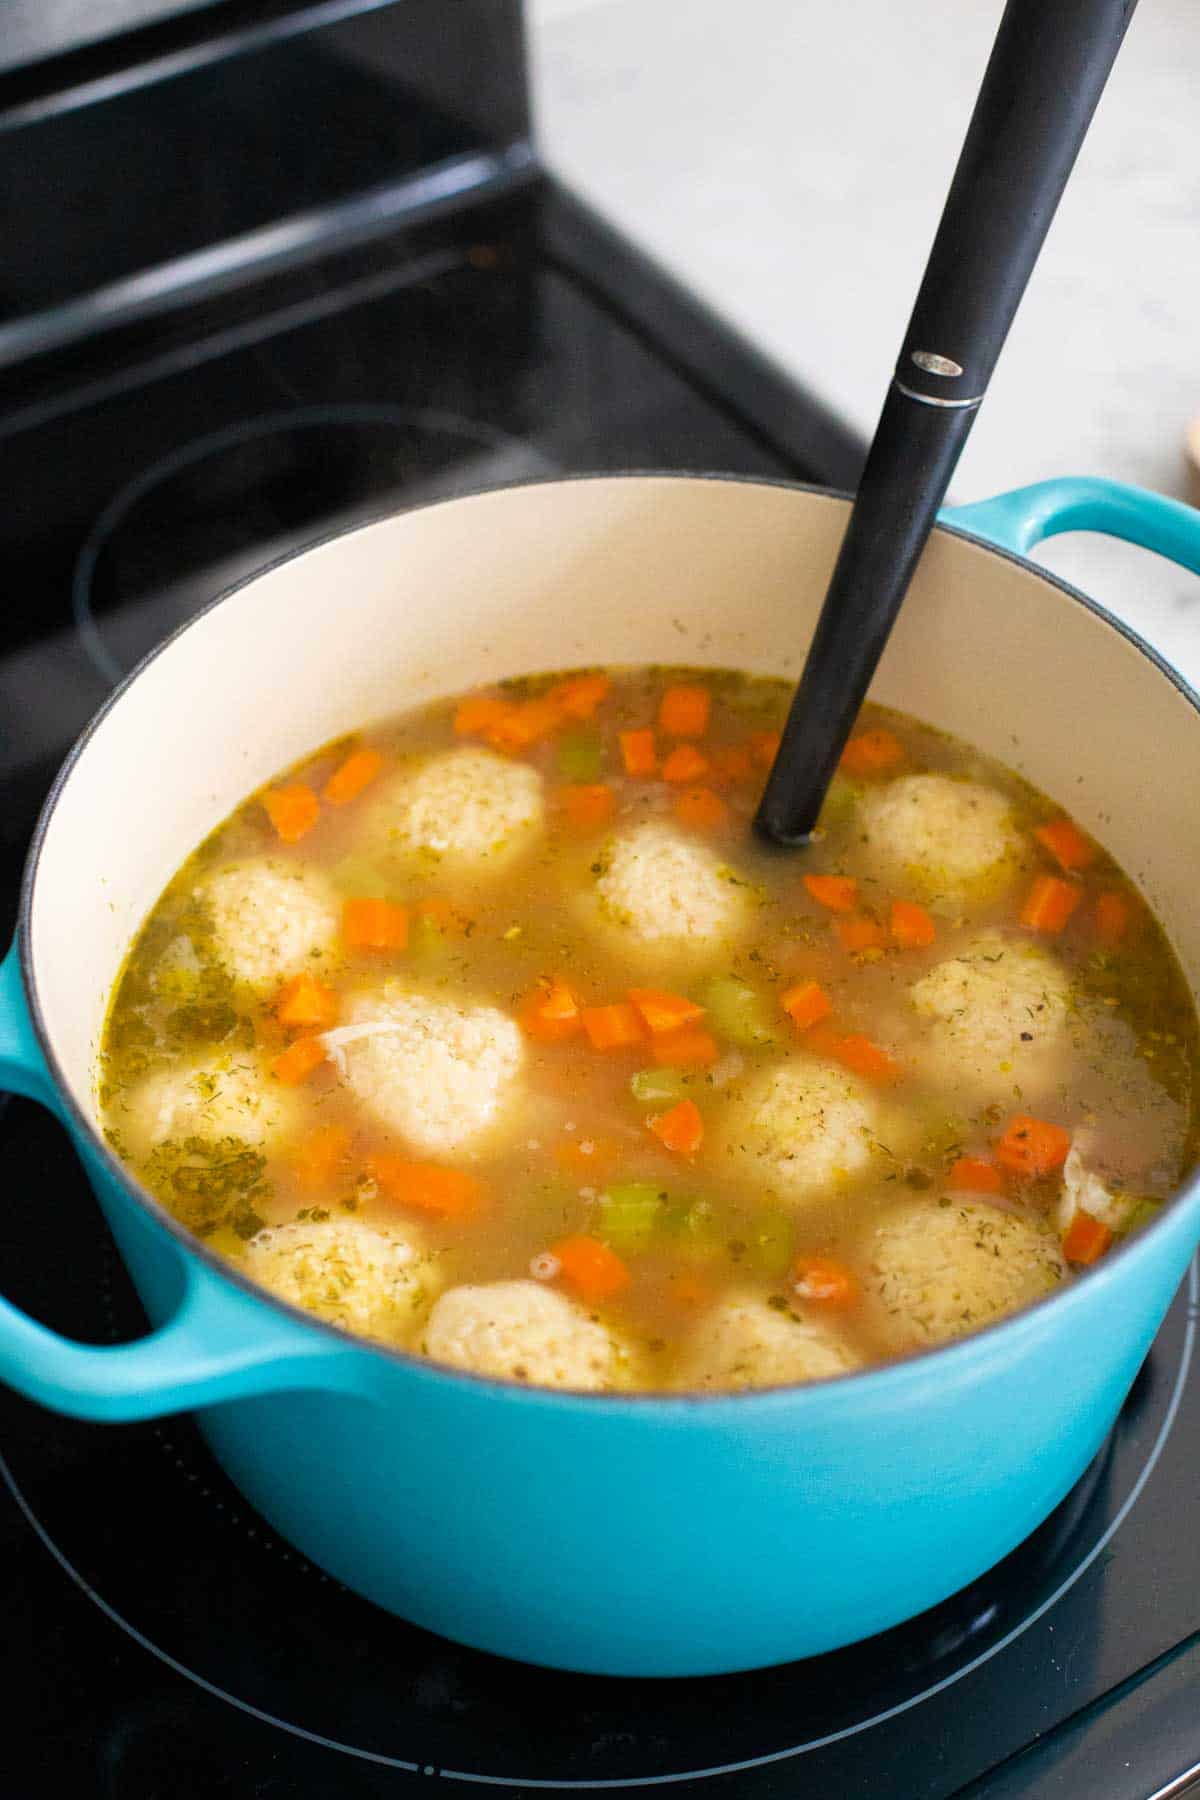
(495, 1035)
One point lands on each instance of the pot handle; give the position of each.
(1020, 519)
(219, 1344)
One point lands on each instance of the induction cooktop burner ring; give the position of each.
(428, 420)
(673, 1778)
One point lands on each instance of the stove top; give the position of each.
(162, 1641)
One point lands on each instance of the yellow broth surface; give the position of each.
(835, 1123)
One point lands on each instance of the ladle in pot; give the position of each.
(1043, 80)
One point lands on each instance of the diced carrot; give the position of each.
(872, 753)
(316, 1159)
(587, 807)
(522, 723)
(551, 1015)
(559, 1002)
(730, 764)
(663, 1011)
(374, 925)
(579, 695)
(638, 752)
(863, 1057)
(1111, 916)
(689, 1048)
(590, 1267)
(699, 809)
(293, 811)
(838, 892)
(297, 1062)
(824, 1279)
(861, 933)
(450, 1193)
(1033, 1147)
(479, 713)
(685, 763)
(1050, 903)
(351, 777)
(972, 1175)
(764, 747)
(687, 1289)
(440, 913)
(681, 1129)
(1067, 844)
(306, 1001)
(615, 1027)
(806, 1003)
(1086, 1238)
(684, 712)
(584, 1156)
(912, 927)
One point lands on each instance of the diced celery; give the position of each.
(841, 798)
(738, 1012)
(630, 1213)
(693, 1227)
(1142, 1213)
(426, 939)
(661, 1087)
(359, 876)
(580, 756)
(769, 1245)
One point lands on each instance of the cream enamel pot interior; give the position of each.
(632, 1534)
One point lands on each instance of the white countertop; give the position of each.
(790, 162)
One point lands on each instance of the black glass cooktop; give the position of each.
(160, 1640)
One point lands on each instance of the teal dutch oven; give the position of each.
(631, 1535)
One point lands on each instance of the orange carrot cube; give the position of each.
(1049, 904)
(552, 1014)
(449, 1193)
(1086, 1238)
(292, 810)
(685, 763)
(578, 696)
(972, 1175)
(860, 933)
(663, 1011)
(684, 712)
(297, 1062)
(638, 752)
(305, 1001)
(680, 1130)
(615, 1027)
(590, 1267)
(1067, 844)
(912, 927)
(872, 753)
(351, 777)
(838, 892)
(806, 1003)
(1033, 1147)
(374, 925)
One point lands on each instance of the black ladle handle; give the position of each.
(1045, 75)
